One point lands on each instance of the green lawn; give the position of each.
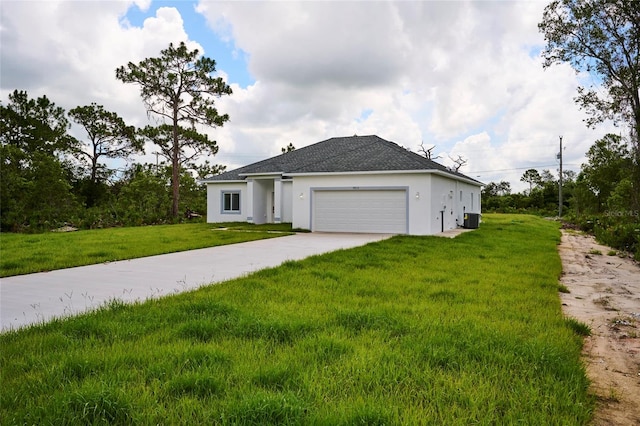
(411, 330)
(27, 253)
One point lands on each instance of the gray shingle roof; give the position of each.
(342, 154)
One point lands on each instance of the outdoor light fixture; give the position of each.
(301, 195)
(417, 195)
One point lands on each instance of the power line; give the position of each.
(519, 168)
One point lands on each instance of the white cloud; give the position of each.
(460, 75)
(464, 76)
(70, 50)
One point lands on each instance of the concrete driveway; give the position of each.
(34, 298)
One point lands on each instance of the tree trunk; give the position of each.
(175, 165)
(94, 160)
(635, 163)
(94, 169)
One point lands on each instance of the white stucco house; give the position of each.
(346, 184)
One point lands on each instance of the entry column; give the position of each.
(277, 201)
(249, 201)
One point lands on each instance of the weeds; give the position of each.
(611, 396)
(411, 330)
(605, 302)
(580, 328)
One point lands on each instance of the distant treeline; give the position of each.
(600, 199)
(49, 179)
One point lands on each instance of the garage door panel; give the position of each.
(375, 211)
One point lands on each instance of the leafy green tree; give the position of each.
(600, 37)
(179, 88)
(532, 177)
(193, 195)
(618, 200)
(569, 176)
(34, 192)
(35, 125)
(609, 162)
(547, 177)
(489, 197)
(544, 197)
(144, 196)
(206, 169)
(496, 196)
(35, 187)
(504, 188)
(190, 143)
(490, 190)
(584, 200)
(108, 137)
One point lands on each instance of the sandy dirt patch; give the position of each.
(605, 294)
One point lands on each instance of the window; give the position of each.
(460, 195)
(230, 202)
(472, 194)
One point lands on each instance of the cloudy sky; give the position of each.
(464, 76)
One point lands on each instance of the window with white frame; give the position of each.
(231, 202)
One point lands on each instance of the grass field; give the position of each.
(27, 253)
(411, 330)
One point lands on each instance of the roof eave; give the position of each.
(378, 172)
(222, 181)
(457, 177)
(269, 174)
(360, 172)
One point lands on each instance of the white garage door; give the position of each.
(371, 211)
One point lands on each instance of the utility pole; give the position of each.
(560, 182)
(156, 153)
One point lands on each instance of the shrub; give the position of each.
(621, 236)
(619, 230)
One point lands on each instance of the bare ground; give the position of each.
(604, 293)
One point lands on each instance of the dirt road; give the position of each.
(604, 292)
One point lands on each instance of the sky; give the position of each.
(463, 76)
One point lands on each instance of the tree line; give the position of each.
(49, 178)
(601, 198)
(600, 38)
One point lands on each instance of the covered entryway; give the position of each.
(360, 210)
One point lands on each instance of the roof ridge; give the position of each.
(342, 154)
(338, 154)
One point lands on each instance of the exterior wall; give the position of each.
(468, 197)
(454, 198)
(444, 207)
(257, 198)
(286, 209)
(214, 202)
(418, 195)
(434, 202)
